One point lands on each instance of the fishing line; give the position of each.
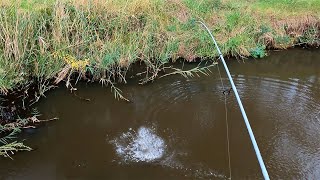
(243, 112)
(227, 124)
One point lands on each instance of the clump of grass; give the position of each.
(10, 130)
(7, 147)
(7, 150)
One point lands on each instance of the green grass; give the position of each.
(289, 7)
(52, 39)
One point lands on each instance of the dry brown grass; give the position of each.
(296, 25)
(180, 11)
(268, 40)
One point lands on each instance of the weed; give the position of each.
(7, 150)
(258, 52)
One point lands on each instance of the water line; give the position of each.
(243, 112)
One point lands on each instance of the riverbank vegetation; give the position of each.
(43, 43)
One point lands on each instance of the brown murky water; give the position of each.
(175, 128)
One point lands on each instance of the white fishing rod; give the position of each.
(253, 140)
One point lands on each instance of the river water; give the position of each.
(175, 128)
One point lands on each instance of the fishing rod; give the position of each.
(243, 112)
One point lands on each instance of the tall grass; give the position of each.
(101, 39)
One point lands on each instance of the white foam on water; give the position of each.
(146, 146)
(141, 146)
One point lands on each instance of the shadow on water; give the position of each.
(175, 127)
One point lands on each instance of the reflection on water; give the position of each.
(175, 128)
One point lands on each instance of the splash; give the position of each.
(144, 145)
(141, 146)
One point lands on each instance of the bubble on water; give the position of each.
(141, 146)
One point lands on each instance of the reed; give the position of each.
(103, 38)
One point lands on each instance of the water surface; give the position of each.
(175, 128)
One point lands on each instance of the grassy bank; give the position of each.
(102, 37)
(44, 43)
